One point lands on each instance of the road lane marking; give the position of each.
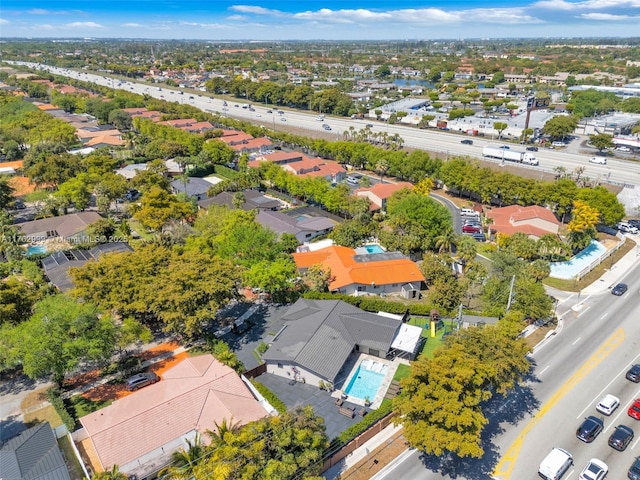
(604, 316)
(507, 462)
(576, 340)
(580, 314)
(544, 370)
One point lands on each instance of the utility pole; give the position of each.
(513, 281)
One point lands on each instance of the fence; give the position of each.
(602, 257)
(256, 372)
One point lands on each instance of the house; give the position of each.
(139, 432)
(319, 336)
(379, 193)
(534, 221)
(253, 200)
(477, 321)
(194, 187)
(304, 227)
(130, 171)
(64, 226)
(360, 273)
(317, 167)
(56, 266)
(33, 455)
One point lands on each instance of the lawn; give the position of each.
(44, 414)
(79, 406)
(402, 371)
(432, 343)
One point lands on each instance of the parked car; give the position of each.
(471, 229)
(621, 438)
(353, 180)
(595, 470)
(634, 409)
(590, 429)
(634, 222)
(467, 141)
(619, 289)
(558, 144)
(608, 404)
(634, 470)
(626, 228)
(634, 373)
(623, 149)
(141, 380)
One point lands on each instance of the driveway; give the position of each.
(14, 387)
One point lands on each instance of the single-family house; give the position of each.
(130, 171)
(140, 431)
(379, 193)
(534, 221)
(304, 227)
(253, 200)
(358, 272)
(319, 336)
(34, 454)
(193, 187)
(64, 226)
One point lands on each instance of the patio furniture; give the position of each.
(339, 402)
(362, 412)
(347, 412)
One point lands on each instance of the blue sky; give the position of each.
(315, 19)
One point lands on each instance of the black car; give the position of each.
(532, 149)
(634, 373)
(619, 289)
(634, 222)
(467, 141)
(590, 429)
(621, 437)
(634, 470)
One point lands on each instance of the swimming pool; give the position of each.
(570, 269)
(366, 380)
(373, 248)
(36, 250)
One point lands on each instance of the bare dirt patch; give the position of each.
(377, 459)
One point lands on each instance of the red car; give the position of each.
(471, 229)
(634, 409)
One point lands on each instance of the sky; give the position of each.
(319, 20)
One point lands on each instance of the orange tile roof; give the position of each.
(82, 133)
(21, 186)
(194, 395)
(504, 217)
(16, 165)
(346, 271)
(104, 140)
(235, 139)
(385, 190)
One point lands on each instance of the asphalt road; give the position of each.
(617, 170)
(573, 370)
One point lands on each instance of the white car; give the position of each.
(600, 160)
(626, 228)
(595, 470)
(623, 149)
(608, 404)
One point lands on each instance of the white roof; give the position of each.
(407, 338)
(212, 179)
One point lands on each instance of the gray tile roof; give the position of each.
(253, 200)
(64, 225)
(319, 335)
(195, 186)
(33, 455)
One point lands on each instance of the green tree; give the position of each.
(277, 277)
(605, 202)
(500, 127)
(602, 141)
(560, 126)
(60, 335)
(113, 474)
(157, 207)
(184, 460)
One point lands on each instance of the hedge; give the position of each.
(55, 397)
(270, 396)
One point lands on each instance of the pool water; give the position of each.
(570, 269)
(36, 250)
(374, 249)
(366, 380)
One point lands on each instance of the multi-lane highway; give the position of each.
(618, 171)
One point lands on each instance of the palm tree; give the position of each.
(185, 460)
(113, 474)
(382, 166)
(221, 431)
(445, 241)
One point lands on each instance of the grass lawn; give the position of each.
(431, 343)
(139, 229)
(73, 465)
(80, 406)
(402, 371)
(44, 414)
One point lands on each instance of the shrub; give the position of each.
(270, 396)
(223, 353)
(373, 417)
(263, 347)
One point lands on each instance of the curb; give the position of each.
(392, 464)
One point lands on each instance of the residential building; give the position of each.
(193, 187)
(304, 227)
(319, 336)
(253, 200)
(360, 273)
(33, 455)
(140, 431)
(534, 221)
(379, 193)
(64, 226)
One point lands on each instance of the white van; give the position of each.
(600, 160)
(468, 212)
(555, 464)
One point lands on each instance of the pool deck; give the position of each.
(376, 401)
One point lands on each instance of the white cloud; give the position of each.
(255, 10)
(608, 17)
(132, 25)
(84, 25)
(4, 22)
(237, 18)
(39, 11)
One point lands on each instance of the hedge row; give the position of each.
(270, 396)
(55, 397)
(373, 304)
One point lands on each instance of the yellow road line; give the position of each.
(507, 462)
